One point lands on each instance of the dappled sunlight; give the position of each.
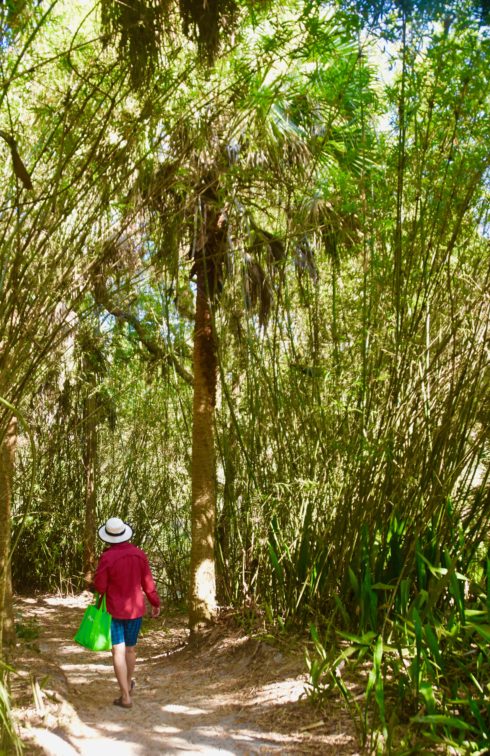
(179, 709)
(292, 689)
(87, 668)
(225, 693)
(205, 582)
(114, 727)
(69, 650)
(70, 602)
(165, 730)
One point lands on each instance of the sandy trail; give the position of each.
(231, 694)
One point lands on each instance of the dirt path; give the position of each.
(230, 695)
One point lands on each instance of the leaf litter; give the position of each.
(227, 693)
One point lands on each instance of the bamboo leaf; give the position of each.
(427, 692)
(488, 588)
(275, 563)
(433, 644)
(353, 581)
(384, 586)
(361, 640)
(443, 720)
(483, 630)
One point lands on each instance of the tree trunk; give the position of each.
(90, 465)
(202, 600)
(7, 458)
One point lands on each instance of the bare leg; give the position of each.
(121, 670)
(130, 663)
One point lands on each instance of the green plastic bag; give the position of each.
(95, 629)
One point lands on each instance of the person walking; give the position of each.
(123, 573)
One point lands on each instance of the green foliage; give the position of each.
(10, 741)
(143, 477)
(28, 631)
(428, 681)
(351, 177)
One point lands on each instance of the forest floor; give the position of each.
(232, 693)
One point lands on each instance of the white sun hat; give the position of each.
(115, 531)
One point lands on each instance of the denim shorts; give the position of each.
(125, 631)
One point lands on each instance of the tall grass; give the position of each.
(10, 742)
(353, 475)
(427, 669)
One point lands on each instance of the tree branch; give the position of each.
(155, 348)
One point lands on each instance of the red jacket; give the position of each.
(123, 573)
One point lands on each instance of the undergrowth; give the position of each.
(421, 645)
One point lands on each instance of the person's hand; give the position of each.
(155, 611)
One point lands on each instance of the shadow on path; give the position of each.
(229, 695)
